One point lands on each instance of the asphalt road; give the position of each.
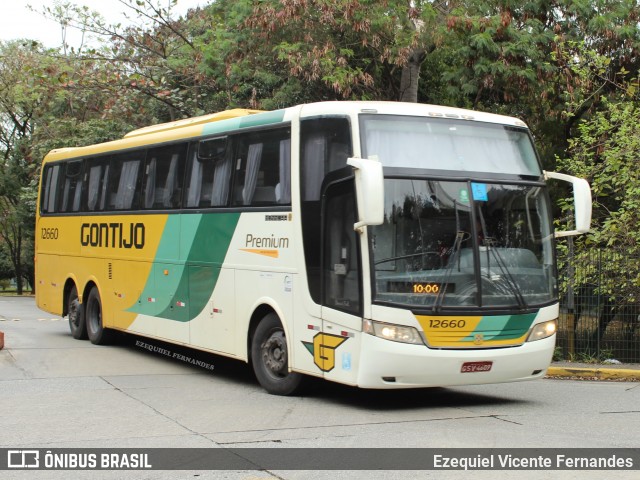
(57, 392)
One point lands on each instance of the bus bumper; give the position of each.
(385, 364)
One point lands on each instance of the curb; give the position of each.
(594, 373)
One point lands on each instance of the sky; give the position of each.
(17, 21)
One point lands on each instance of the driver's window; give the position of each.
(342, 285)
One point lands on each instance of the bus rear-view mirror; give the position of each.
(369, 191)
(581, 203)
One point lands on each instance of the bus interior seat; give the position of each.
(158, 198)
(264, 195)
(205, 194)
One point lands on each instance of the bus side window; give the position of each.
(324, 147)
(96, 184)
(50, 188)
(123, 181)
(341, 266)
(209, 175)
(71, 187)
(162, 184)
(263, 169)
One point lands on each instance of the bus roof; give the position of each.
(164, 132)
(409, 109)
(188, 122)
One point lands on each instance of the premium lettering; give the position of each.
(266, 242)
(112, 235)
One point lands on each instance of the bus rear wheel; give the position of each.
(75, 312)
(270, 358)
(93, 317)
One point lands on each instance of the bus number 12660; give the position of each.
(436, 323)
(49, 233)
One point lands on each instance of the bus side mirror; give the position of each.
(369, 191)
(581, 202)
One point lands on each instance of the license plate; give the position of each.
(468, 367)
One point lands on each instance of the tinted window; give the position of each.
(209, 174)
(448, 144)
(71, 187)
(325, 147)
(96, 181)
(123, 190)
(341, 259)
(49, 188)
(162, 185)
(263, 169)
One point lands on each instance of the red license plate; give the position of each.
(476, 367)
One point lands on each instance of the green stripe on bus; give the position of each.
(260, 119)
(203, 242)
(255, 120)
(502, 327)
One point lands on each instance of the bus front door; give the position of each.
(338, 343)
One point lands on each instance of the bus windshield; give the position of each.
(448, 144)
(460, 243)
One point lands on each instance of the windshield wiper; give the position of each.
(455, 258)
(419, 215)
(489, 244)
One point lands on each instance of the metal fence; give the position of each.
(599, 307)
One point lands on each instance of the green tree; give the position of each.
(150, 66)
(301, 50)
(515, 57)
(22, 96)
(43, 105)
(604, 150)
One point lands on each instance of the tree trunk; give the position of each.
(31, 280)
(411, 76)
(18, 263)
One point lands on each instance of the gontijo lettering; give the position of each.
(112, 235)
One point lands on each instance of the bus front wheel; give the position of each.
(270, 358)
(93, 317)
(75, 312)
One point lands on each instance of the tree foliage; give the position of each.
(345, 49)
(604, 150)
(513, 57)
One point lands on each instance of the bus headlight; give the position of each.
(389, 331)
(543, 330)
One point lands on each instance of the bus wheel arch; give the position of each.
(93, 314)
(269, 353)
(74, 309)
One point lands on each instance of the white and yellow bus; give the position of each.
(375, 244)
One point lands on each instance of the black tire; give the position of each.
(93, 319)
(75, 311)
(270, 358)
